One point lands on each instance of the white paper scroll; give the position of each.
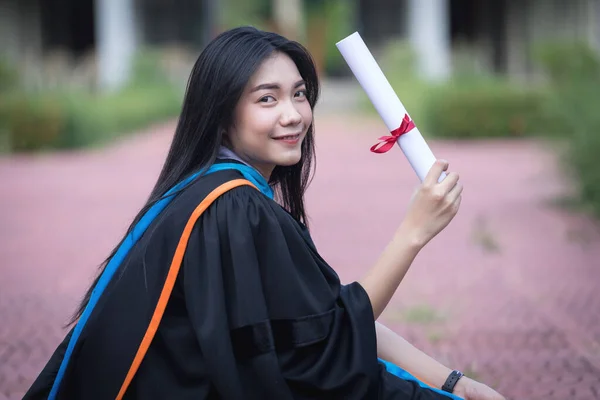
(386, 102)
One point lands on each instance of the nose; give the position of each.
(290, 115)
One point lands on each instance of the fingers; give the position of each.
(434, 173)
(455, 192)
(448, 191)
(449, 182)
(456, 198)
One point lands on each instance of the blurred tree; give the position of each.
(318, 24)
(316, 31)
(288, 18)
(234, 13)
(327, 22)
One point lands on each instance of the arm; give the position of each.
(395, 349)
(384, 278)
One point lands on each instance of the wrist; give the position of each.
(456, 383)
(460, 389)
(410, 238)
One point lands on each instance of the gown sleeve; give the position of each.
(270, 316)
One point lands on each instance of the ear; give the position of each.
(225, 139)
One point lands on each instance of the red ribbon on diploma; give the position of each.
(387, 142)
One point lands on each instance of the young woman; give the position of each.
(217, 291)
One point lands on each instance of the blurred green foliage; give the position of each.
(483, 108)
(337, 20)
(97, 119)
(570, 113)
(32, 120)
(233, 13)
(9, 81)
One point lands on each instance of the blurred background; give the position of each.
(507, 90)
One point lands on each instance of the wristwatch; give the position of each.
(451, 381)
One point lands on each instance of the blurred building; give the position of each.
(108, 32)
(498, 34)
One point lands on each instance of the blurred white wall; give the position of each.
(115, 41)
(429, 33)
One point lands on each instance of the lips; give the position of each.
(288, 137)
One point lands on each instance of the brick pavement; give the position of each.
(508, 292)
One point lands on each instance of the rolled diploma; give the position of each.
(386, 102)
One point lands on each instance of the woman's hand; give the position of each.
(470, 389)
(433, 205)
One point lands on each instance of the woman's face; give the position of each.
(272, 117)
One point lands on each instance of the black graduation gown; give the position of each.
(255, 313)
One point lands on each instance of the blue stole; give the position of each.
(405, 375)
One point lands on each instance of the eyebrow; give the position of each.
(274, 86)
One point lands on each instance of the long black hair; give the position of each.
(214, 88)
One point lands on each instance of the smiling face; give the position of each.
(272, 116)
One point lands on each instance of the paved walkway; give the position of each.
(508, 292)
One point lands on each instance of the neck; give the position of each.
(226, 153)
(265, 171)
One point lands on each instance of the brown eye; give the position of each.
(301, 93)
(266, 99)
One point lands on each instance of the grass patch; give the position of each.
(434, 337)
(422, 315)
(483, 237)
(471, 372)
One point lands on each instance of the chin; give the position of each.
(289, 159)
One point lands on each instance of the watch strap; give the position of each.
(451, 381)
